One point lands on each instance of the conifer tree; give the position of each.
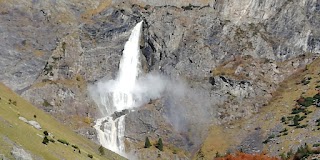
(160, 145)
(147, 143)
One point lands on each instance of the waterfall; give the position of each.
(119, 96)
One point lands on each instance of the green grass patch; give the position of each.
(14, 130)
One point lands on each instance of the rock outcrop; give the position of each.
(35, 124)
(20, 154)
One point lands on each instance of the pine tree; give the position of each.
(147, 143)
(160, 145)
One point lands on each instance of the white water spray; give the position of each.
(118, 95)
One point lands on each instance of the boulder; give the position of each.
(20, 154)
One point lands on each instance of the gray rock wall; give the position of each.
(235, 53)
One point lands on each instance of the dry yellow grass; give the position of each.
(91, 12)
(221, 138)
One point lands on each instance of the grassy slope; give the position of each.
(221, 138)
(30, 139)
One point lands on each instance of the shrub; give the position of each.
(266, 141)
(302, 118)
(317, 96)
(52, 140)
(147, 143)
(45, 140)
(63, 141)
(46, 103)
(296, 111)
(306, 112)
(75, 147)
(87, 120)
(316, 145)
(284, 130)
(303, 152)
(271, 136)
(14, 103)
(34, 116)
(283, 119)
(101, 150)
(45, 133)
(306, 102)
(306, 80)
(218, 154)
(90, 156)
(174, 151)
(302, 126)
(159, 145)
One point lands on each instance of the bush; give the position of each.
(306, 112)
(303, 152)
(45, 133)
(52, 140)
(296, 111)
(317, 96)
(159, 145)
(63, 141)
(302, 118)
(306, 102)
(75, 147)
(46, 103)
(147, 143)
(284, 130)
(90, 156)
(45, 140)
(316, 145)
(283, 119)
(101, 150)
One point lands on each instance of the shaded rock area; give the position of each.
(116, 114)
(232, 53)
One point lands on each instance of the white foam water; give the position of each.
(118, 95)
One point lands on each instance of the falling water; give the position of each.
(119, 95)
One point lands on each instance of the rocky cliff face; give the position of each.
(235, 53)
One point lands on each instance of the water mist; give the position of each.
(117, 95)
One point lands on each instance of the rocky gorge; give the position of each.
(231, 55)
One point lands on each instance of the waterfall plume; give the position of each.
(117, 95)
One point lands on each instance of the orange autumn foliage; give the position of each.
(244, 156)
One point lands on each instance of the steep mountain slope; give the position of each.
(21, 139)
(232, 55)
(273, 129)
